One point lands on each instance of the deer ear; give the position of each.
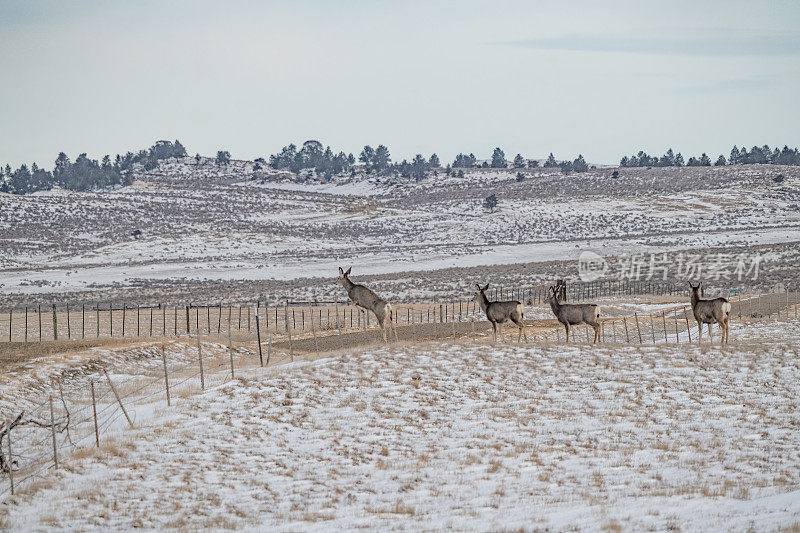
(348, 271)
(486, 287)
(341, 271)
(477, 286)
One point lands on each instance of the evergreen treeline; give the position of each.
(84, 173)
(757, 155)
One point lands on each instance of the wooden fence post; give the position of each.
(625, 322)
(677, 338)
(166, 375)
(269, 348)
(664, 322)
(94, 412)
(688, 329)
(83, 321)
(69, 329)
(10, 323)
(119, 400)
(55, 324)
(338, 324)
(26, 323)
(39, 316)
(53, 432)
(258, 338)
(638, 329)
(313, 329)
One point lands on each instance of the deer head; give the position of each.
(695, 288)
(479, 293)
(551, 294)
(344, 275)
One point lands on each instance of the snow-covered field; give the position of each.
(222, 225)
(463, 436)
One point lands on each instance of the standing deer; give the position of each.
(499, 313)
(368, 301)
(575, 314)
(709, 312)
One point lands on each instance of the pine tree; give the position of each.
(499, 159)
(382, 159)
(223, 157)
(579, 164)
(434, 162)
(519, 161)
(720, 161)
(551, 161)
(734, 158)
(678, 160)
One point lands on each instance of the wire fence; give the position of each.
(91, 410)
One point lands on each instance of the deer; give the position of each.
(575, 314)
(367, 300)
(709, 312)
(498, 313)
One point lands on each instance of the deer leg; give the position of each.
(710, 336)
(699, 333)
(494, 332)
(394, 330)
(566, 327)
(596, 333)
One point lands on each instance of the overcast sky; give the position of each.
(419, 76)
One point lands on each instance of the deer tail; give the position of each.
(726, 308)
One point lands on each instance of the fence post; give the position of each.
(638, 329)
(614, 330)
(688, 329)
(289, 329)
(53, 432)
(338, 324)
(258, 337)
(55, 324)
(10, 323)
(664, 321)
(200, 358)
(83, 321)
(26, 322)
(166, 376)
(69, 329)
(625, 322)
(94, 412)
(677, 338)
(10, 460)
(119, 400)
(313, 329)
(39, 316)
(230, 346)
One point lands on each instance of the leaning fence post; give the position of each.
(10, 461)
(166, 376)
(688, 329)
(638, 329)
(258, 336)
(625, 322)
(94, 412)
(53, 432)
(200, 358)
(119, 400)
